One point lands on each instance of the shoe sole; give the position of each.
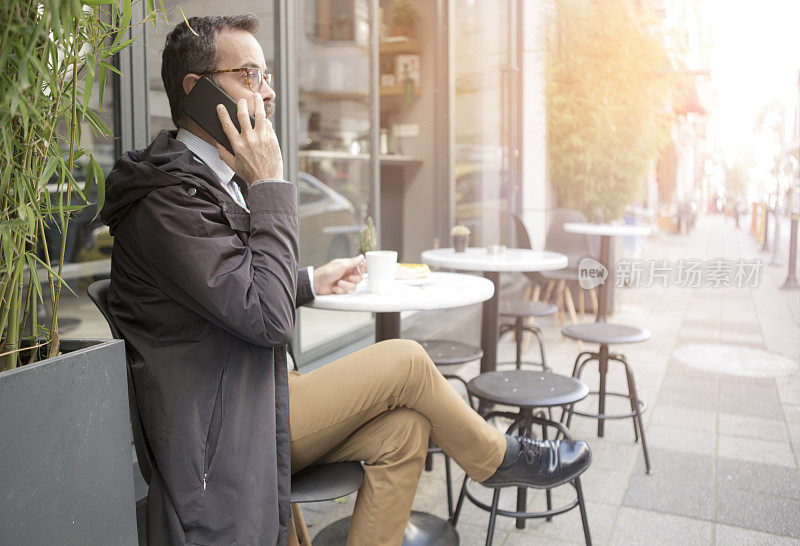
(499, 485)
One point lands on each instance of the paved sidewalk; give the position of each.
(721, 376)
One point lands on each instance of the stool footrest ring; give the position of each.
(642, 408)
(525, 515)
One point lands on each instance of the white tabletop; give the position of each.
(479, 259)
(605, 229)
(437, 291)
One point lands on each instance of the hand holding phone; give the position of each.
(257, 154)
(247, 144)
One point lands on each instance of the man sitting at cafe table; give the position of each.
(204, 285)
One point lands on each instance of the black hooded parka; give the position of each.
(204, 294)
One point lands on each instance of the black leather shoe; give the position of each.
(543, 464)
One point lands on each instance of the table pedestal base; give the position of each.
(422, 530)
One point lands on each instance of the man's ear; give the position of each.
(188, 82)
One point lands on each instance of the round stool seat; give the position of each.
(444, 352)
(606, 333)
(528, 389)
(524, 308)
(324, 482)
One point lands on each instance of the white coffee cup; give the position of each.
(381, 265)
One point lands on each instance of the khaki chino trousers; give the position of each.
(380, 405)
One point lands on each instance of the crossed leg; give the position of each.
(379, 405)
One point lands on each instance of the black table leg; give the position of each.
(387, 326)
(490, 325)
(601, 396)
(422, 529)
(605, 288)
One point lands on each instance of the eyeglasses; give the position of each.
(255, 78)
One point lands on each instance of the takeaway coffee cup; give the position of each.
(381, 266)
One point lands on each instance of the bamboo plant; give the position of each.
(55, 57)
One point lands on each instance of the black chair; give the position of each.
(575, 247)
(534, 393)
(605, 334)
(448, 353)
(314, 484)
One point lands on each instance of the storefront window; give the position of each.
(333, 129)
(482, 123)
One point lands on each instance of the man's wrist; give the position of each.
(310, 270)
(264, 180)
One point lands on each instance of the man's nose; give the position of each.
(267, 93)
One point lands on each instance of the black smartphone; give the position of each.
(201, 107)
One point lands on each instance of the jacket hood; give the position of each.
(166, 162)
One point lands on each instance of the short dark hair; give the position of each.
(192, 49)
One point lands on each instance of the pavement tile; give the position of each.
(600, 485)
(611, 455)
(680, 439)
(727, 535)
(749, 339)
(635, 526)
(566, 527)
(789, 389)
(752, 427)
(763, 512)
(766, 478)
(676, 416)
(749, 398)
(687, 398)
(757, 451)
(692, 495)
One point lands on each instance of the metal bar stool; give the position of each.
(520, 310)
(605, 334)
(527, 390)
(445, 352)
(319, 483)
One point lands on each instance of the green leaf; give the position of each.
(34, 273)
(97, 122)
(48, 171)
(116, 49)
(110, 67)
(100, 180)
(88, 79)
(90, 177)
(5, 178)
(101, 87)
(123, 25)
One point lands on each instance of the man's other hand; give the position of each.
(339, 276)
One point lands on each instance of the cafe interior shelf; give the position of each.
(387, 159)
(400, 46)
(397, 90)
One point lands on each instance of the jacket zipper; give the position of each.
(208, 435)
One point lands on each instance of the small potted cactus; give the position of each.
(460, 234)
(368, 237)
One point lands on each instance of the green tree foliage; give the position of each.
(737, 177)
(55, 55)
(609, 89)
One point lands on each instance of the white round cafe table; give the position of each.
(437, 291)
(606, 232)
(479, 259)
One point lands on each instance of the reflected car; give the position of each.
(328, 226)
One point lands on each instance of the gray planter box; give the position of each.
(66, 472)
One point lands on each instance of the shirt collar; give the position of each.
(206, 153)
